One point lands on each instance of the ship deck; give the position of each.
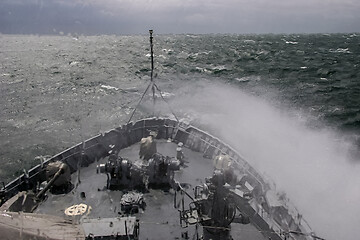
(159, 220)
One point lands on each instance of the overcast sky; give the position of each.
(178, 16)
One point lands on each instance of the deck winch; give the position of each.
(160, 170)
(156, 172)
(118, 170)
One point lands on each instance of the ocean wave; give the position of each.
(304, 71)
(340, 50)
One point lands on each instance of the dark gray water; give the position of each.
(288, 103)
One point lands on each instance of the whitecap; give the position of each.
(72, 63)
(193, 55)
(219, 68)
(168, 51)
(109, 87)
(289, 42)
(249, 41)
(165, 94)
(340, 50)
(201, 69)
(336, 109)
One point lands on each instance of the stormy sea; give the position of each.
(289, 104)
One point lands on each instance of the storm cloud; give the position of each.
(94, 17)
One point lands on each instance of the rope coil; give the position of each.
(78, 209)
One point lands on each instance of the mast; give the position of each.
(151, 78)
(152, 68)
(151, 53)
(152, 84)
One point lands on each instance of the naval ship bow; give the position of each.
(154, 178)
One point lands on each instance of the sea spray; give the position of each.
(310, 165)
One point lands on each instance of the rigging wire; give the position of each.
(152, 84)
(139, 102)
(166, 102)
